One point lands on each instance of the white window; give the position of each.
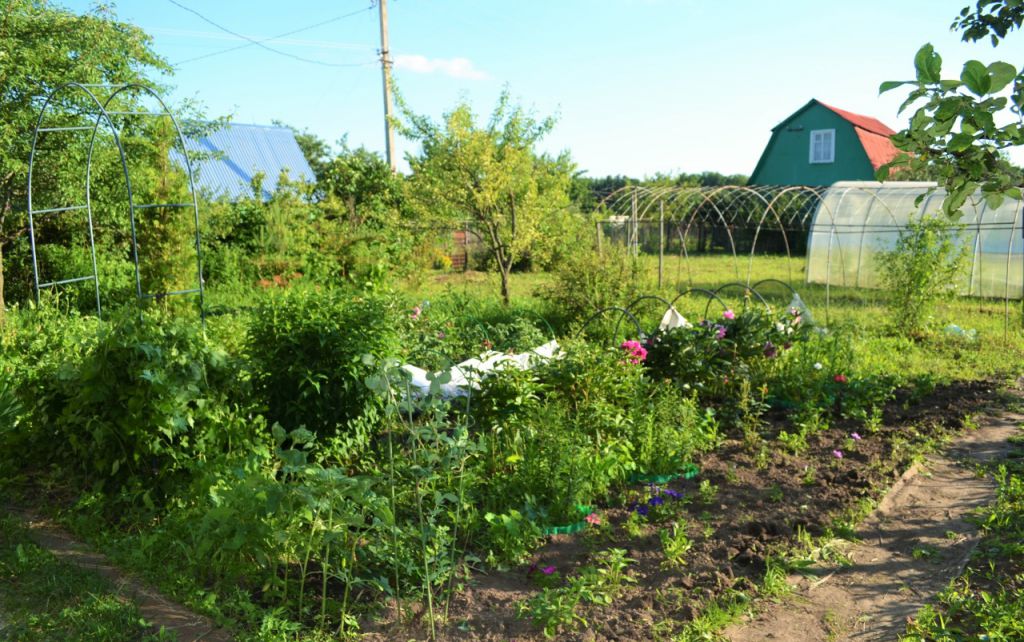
(823, 145)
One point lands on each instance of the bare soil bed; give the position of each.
(764, 497)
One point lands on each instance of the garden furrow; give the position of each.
(910, 547)
(156, 609)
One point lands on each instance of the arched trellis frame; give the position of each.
(103, 115)
(838, 246)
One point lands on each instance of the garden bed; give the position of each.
(756, 505)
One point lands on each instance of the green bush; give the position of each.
(714, 357)
(587, 281)
(137, 402)
(926, 265)
(308, 347)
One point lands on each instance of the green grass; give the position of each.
(43, 598)
(862, 314)
(985, 602)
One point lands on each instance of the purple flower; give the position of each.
(642, 510)
(855, 436)
(674, 494)
(548, 570)
(656, 501)
(720, 331)
(838, 454)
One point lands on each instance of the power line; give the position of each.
(260, 43)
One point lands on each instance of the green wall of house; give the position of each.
(786, 159)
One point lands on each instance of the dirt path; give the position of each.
(154, 607)
(914, 543)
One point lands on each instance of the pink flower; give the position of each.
(729, 314)
(593, 519)
(416, 313)
(797, 319)
(637, 352)
(548, 570)
(855, 436)
(840, 378)
(838, 454)
(720, 332)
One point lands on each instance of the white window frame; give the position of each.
(828, 149)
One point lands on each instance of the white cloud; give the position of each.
(454, 67)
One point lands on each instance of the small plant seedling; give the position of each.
(675, 544)
(708, 492)
(925, 552)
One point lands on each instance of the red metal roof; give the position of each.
(873, 125)
(873, 134)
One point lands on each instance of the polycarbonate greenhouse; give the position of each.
(855, 220)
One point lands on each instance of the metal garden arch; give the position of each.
(103, 115)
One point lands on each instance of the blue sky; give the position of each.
(639, 86)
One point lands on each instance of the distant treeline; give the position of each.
(588, 192)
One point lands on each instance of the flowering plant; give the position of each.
(713, 357)
(635, 352)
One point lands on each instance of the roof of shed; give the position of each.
(244, 151)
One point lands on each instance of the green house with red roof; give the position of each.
(820, 145)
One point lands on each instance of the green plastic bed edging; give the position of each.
(568, 529)
(689, 471)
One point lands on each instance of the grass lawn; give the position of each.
(43, 598)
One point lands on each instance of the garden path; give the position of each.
(154, 607)
(911, 546)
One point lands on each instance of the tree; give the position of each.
(956, 131)
(42, 47)
(489, 176)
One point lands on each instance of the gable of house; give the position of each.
(820, 145)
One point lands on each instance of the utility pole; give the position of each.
(385, 67)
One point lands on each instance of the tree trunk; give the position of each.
(504, 284)
(2, 308)
(3, 219)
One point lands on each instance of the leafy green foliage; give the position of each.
(956, 131)
(308, 347)
(43, 47)
(927, 264)
(489, 176)
(148, 401)
(714, 357)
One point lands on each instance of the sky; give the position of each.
(638, 86)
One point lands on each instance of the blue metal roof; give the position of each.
(245, 150)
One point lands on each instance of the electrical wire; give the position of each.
(260, 43)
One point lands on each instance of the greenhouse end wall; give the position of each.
(856, 220)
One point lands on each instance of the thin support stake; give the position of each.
(159, 205)
(53, 210)
(66, 129)
(66, 281)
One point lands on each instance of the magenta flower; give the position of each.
(838, 454)
(840, 378)
(720, 331)
(548, 570)
(593, 519)
(636, 351)
(729, 314)
(855, 436)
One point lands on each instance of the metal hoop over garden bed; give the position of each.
(103, 113)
